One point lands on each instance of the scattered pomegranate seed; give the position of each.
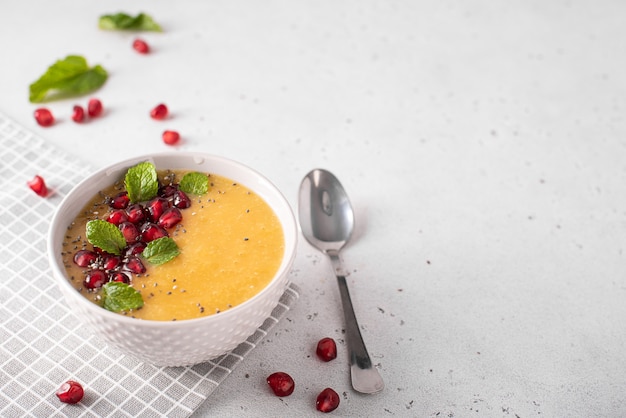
(117, 216)
(38, 185)
(130, 231)
(327, 400)
(159, 112)
(70, 392)
(281, 383)
(326, 349)
(134, 265)
(141, 46)
(181, 200)
(78, 114)
(85, 258)
(44, 117)
(135, 213)
(156, 207)
(120, 201)
(171, 137)
(170, 217)
(150, 232)
(94, 108)
(95, 279)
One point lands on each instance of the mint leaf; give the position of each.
(161, 250)
(194, 183)
(141, 182)
(67, 77)
(119, 296)
(123, 21)
(105, 235)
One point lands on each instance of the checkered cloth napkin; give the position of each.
(42, 344)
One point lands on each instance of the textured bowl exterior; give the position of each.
(185, 342)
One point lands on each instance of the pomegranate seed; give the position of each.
(150, 232)
(181, 200)
(130, 231)
(170, 217)
(111, 262)
(95, 279)
(327, 400)
(171, 137)
(100, 251)
(326, 349)
(141, 46)
(134, 265)
(120, 201)
(281, 384)
(44, 117)
(70, 392)
(119, 277)
(156, 207)
(117, 216)
(94, 108)
(136, 248)
(38, 185)
(78, 114)
(159, 112)
(84, 258)
(167, 191)
(135, 213)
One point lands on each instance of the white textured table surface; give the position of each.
(483, 146)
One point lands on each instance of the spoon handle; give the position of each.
(365, 377)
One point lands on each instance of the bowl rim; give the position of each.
(288, 224)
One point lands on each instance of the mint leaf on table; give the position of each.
(118, 296)
(106, 236)
(71, 76)
(194, 183)
(160, 251)
(141, 182)
(123, 21)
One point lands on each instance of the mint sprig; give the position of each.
(194, 183)
(161, 250)
(118, 296)
(141, 182)
(106, 236)
(123, 21)
(71, 76)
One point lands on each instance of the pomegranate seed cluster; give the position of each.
(45, 118)
(139, 223)
(282, 384)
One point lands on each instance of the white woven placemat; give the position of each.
(41, 342)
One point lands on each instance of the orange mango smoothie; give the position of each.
(231, 244)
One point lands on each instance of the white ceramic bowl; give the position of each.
(184, 342)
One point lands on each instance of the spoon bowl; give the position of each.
(326, 215)
(327, 221)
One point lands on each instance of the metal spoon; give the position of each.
(327, 221)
